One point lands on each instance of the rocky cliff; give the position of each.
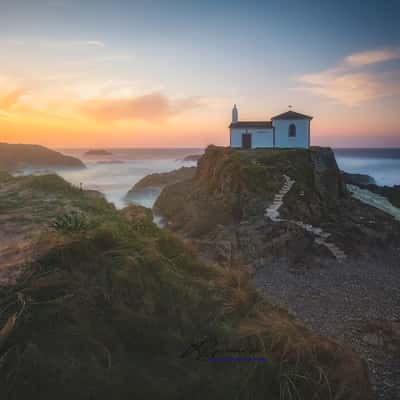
(14, 157)
(287, 218)
(232, 186)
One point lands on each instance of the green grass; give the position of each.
(110, 308)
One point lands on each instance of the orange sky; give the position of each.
(168, 76)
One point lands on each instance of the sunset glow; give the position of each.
(136, 73)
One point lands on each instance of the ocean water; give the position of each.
(115, 179)
(115, 174)
(382, 164)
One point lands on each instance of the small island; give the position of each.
(98, 152)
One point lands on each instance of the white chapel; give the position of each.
(287, 130)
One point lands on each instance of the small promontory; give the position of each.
(151, 185)
(16, 157)
(231, 185)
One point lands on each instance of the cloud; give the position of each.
(12, 98)
(51, 43)
(153, 107)
(350, 84)
(72, 43)
(373, 57)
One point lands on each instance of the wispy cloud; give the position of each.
(100, 60)
(153, 107)
(349, 82)
(12, 98)
(51, 43)
(72, 43)
(373, 57)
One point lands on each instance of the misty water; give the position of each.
(115, 174)
(382, 164)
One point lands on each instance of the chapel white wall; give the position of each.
(259, 137)
(282, 138)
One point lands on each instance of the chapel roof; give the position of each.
(251, 124)
(291, 115)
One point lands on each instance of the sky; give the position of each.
(165, 73)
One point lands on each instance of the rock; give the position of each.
(192, 157)
(315, 218)
(357, 179)
(154, 183)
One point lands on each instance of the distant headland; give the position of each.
(17, 157)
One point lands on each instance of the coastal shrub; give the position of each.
(70, 223)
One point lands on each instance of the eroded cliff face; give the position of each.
(222, 209)
(231, 186)
(153, 184)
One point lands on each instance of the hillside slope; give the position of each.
(112, 307)
(14, 157)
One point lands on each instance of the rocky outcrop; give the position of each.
(357, 179)
(230, 186)
(287, 217)
(16, 157)
(192, 157)
(151, 185)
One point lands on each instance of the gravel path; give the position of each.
(345, 301)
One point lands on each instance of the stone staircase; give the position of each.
(272, 212)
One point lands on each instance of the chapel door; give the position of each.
(246, 140)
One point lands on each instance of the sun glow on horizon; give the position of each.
(132, 86)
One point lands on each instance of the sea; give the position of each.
(116, 173)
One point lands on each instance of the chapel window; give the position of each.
(292, 130)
